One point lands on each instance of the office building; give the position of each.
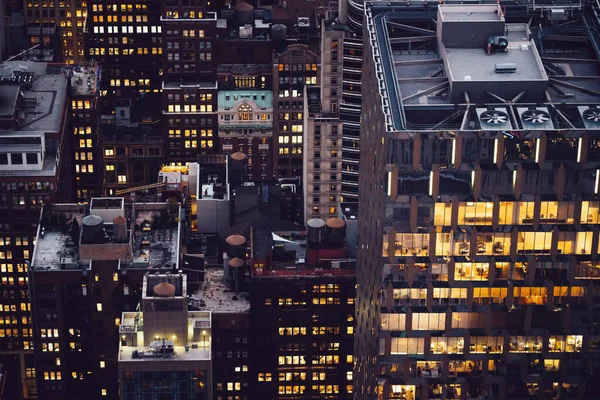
(132, 151)
(302, 298)
(85, 92)
(87, 269)
(189, 87)
(292, 69)
(35, 168)
(126, 39)
(61, 20)
(351, 47)
(246, 126)
(164, 349)
(479, 205)
(322, 128)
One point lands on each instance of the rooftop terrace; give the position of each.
(85, 80)
(152, 238)
(216, 296)
(437, 76)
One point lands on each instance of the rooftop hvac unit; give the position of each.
(535, 118)
(590, 116)
(493, 119)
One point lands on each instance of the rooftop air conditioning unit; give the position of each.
(493, 119)
(590, 116)
(535, 118)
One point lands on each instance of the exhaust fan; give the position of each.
(494, 119)
(590, 116)
(537, 118)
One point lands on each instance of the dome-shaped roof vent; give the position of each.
(164, 289)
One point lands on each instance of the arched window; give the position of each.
(245, 113)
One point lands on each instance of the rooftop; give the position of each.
(230, 98)
(180, 353)
(446, 75)
(216, 296)
(152, 237)
(85, 80)
(44, 94)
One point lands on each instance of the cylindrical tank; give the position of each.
(120, 229)
(238, 160)
(315, 231)
(236, 262)
(237, 246)
(244, 13)
(335, 231)
(164, 289)
(93, 229)
(279, 32)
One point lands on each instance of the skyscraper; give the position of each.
(479, 204)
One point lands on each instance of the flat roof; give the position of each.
(476, 65)
(180, 354)
(459, 13)
(154, 245)
(9, 94)
(85, 80)
(425, 85)
(217, 296)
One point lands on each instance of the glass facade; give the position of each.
(167, 385)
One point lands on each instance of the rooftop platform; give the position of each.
(179, 354)
(85, 80)
(216, 296)
(152, 238)
(46, 90)
(435, 74)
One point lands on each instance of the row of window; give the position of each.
(486, 344)
(465, 244)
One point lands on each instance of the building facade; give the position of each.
(302, 314)
(246, 125)
(295, 67)
(87, 144)
(66, 19)
(35, 168)
(474, 238)
(87, 270)
(189, 88)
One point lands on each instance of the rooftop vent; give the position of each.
(497, 44)
(537, 118)
(492, 119)
(590, 116)
(506, 68)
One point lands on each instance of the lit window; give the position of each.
(99, 306)
(102, 364)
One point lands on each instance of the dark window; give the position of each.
(3, 159)
(32, 158)
(16, 158)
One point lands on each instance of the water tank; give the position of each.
(236, 262)
(315, 231)
(93, 230)
(164, 289)
(238, 161)
(279, 32)
(120, 229)
(236, 246)
(335, 231)
(244, 13)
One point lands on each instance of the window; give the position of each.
(245, 113)
(407, 346)
(99, 306)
